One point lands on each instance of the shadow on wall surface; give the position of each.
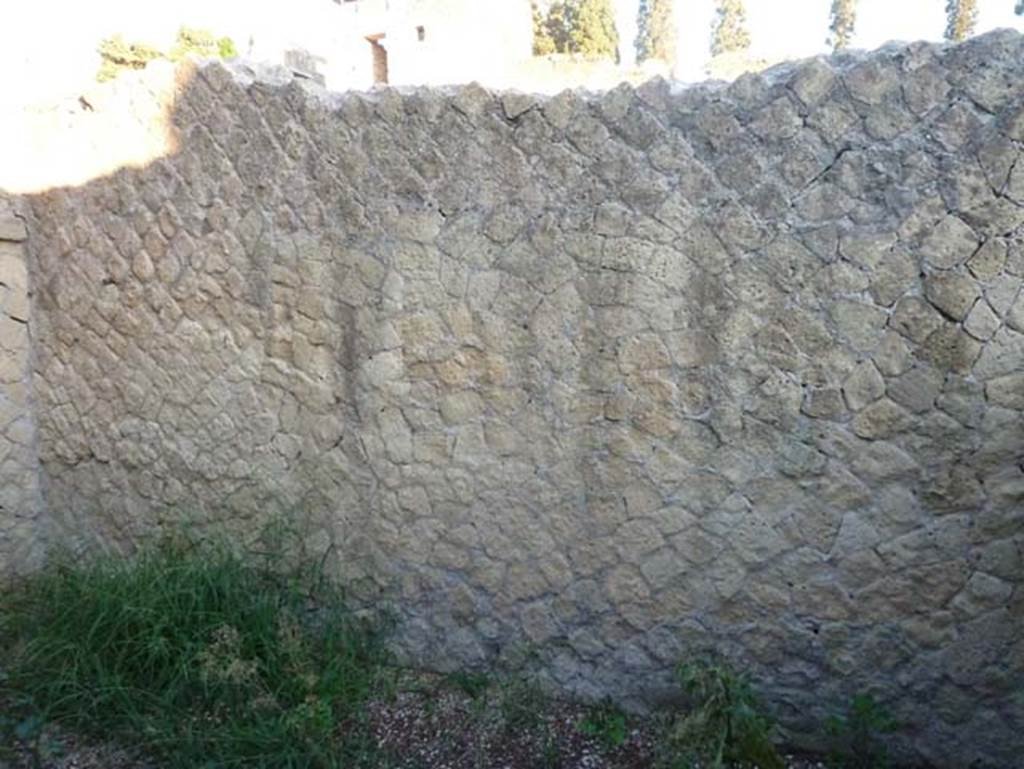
(626, 376)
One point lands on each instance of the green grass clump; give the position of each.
(197, 654)
(857, 735)
(522, 703)
(607, 723)
(473, 683)
(726, 725)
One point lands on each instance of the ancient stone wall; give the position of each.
(626, 376)
(21, 538)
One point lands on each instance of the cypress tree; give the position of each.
(844, 19)
(592, 31)
(656, 31)
(543, 42)
(729, 29)
(576, 26)
(961, 19)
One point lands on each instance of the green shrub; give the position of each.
(725, 725)
(857, 741)
(202, 43)
(116, 55)
(226, 48)
(197, 654)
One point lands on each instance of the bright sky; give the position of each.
(49, 41)
(785, 29)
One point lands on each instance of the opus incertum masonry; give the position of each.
(624, 376)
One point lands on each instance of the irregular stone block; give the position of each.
(950, 243)
(982, 321)
(951, 293)
(824, 403)
(882, 419)
(864, 386)
(12, 228)
(917, 389)
(915, 319)
(1006, 391)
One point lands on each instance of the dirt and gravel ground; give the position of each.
(430, 723)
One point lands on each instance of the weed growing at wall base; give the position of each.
(725, 726)
(197, 654)
(607, 723)
(857, 735)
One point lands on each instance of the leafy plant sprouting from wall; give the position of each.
(726, 725)
(116, 55)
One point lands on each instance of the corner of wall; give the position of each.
(21, 508)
